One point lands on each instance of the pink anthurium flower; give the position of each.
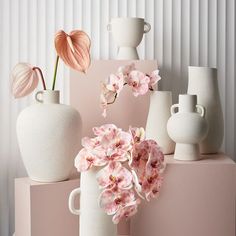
(25, 79)
(73, 49)
(139, 82)
(115, 175)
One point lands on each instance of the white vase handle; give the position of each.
(38, 99)
(72, 196)
(201, 110)
(147, 27)
(173, 107)
(109, 27)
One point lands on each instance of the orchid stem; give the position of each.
(41, 75)
(55, 74)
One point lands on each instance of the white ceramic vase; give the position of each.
(128, 33)
(187, 127)
(203, 83)
(159, 113)
(93, 220)
(48, 136)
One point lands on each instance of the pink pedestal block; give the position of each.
(41, 209)
(197, 199)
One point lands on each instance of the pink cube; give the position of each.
(197, 199)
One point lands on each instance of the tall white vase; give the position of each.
(159, 113)
(203, 83)
(93, 220)
(48, 136)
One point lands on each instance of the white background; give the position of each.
(184, 32)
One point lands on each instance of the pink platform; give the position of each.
(197, 199)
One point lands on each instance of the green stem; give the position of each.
(55, 74)
(41, 75)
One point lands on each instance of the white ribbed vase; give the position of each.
(159, 113)
(93, 220)
(49, 136)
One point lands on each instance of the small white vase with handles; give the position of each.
(203, 83)
(159, 113)
(128, 33)
(93, 220)
(187, 127)
(48, 136)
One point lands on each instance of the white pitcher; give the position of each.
(93, 220)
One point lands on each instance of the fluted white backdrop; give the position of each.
(184, 32)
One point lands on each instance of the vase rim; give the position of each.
(126, 17)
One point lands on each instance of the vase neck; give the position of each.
(48, 97)
(187, 103)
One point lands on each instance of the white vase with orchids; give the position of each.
(49, 132)
(118, 169)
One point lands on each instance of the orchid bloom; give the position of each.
(125, 70)
(25, 79)
(147, 163)
(139, 82)
(115, 83)
(154, 78)
(115, 175)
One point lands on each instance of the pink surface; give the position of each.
(197, 199)
(85, 94)
(42, 208)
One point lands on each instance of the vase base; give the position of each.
(187, 152)
(127, 53)
(54, 180)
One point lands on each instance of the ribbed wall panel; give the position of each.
(184, 32)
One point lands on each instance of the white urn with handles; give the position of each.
(49, 136)
(187, 127)
(92, 219)
(128, 33)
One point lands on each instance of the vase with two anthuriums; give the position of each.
(49, 132)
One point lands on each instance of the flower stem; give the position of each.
(55, 73)
(41, 75)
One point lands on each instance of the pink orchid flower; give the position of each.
(154, 78)
(25, 79)
(115, 83)
(125, 70)
(114, 175)
(147, 163)
(139, 82)
(107, 97)
(110, 201)
(85, 160)
(138, 134)
(126, 211)
(73, 49)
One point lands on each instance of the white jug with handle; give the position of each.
(93, 220)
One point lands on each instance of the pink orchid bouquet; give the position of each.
(131, 168)
(72, 48)
(138, 81)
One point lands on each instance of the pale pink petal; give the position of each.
(115, 83)
(154, 78)
(24, 79)
(107, 202)
(125, 70)
(81, 161)
(73, 49)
